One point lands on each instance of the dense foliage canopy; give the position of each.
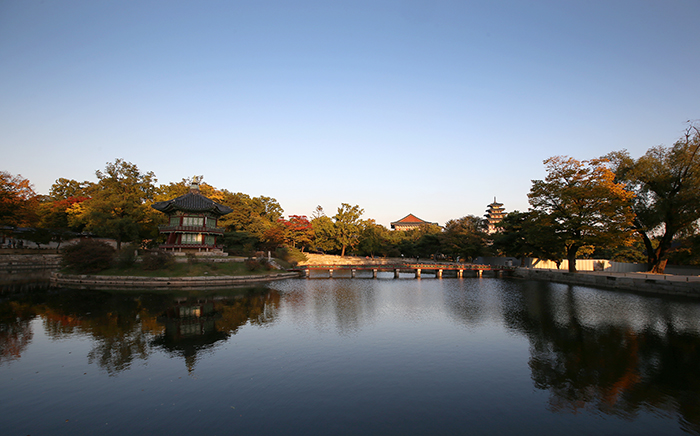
(581, 208)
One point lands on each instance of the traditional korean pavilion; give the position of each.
(192, 227)
(494, 215)
(409, 222)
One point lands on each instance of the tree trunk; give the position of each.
(342, 253)
(658, 263)
(651, 253)
(571, 257)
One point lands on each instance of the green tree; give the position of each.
(374, 239)
(63, 189)
(465, 237)
(529, 234)
(666, 186)
(347, 225)
(429, 242)
(120, 203)
(253, 215)
(583, 203)
(324, 234)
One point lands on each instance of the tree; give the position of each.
(253, 215)
(297, 231)
(17, 200)
(666, 186)
(63, 189)
(529, 234)
(347, 224)
(324, 234)
(583, 203)
(374, 239)
(465, 237)
(119, 207)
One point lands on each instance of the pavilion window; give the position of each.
(174, 220)
(193, 221)
(209, 240)
(191, 238)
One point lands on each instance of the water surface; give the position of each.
(471, 356)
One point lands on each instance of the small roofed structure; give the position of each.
(409, 222)
(494, 215)
(192, 227)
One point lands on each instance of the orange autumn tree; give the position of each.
(585, 204)
(18, 201)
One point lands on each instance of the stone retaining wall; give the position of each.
(16, 262)
(644, 283)
(75, 281)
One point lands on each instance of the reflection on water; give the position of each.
(594, 352)
(124, 328)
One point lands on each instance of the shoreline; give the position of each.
(199, 283)
(642, 283)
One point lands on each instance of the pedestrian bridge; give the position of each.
(417, 269)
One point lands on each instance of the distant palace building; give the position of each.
(494, 215)
(192, 227)
(409, 222)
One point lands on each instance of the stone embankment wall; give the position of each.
(74, 281)
(17, 262)
(686, 286)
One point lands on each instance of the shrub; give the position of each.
(88, 255)
(157, 259)
(252, 264)
(265, 264)
(126, 257)
(291, 255)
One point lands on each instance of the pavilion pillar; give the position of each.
(418, 273)
(330, 273)
(307, 273)
(352, 273)
(438, 274)
(479, 273)
(460, 273)
(396, 273)
(374, 273)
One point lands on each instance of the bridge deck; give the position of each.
(407, 266)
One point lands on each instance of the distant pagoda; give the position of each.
(494, 215)
(409, 222)
(192, 227)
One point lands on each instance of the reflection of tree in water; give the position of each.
(608, 366)
(194, 325)
(121, 326)
(15, 329)
(124, 328)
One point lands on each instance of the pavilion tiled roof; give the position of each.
(193, 201)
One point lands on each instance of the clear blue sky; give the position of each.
(431, 108)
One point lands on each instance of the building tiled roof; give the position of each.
(410, 219)
(193, 201)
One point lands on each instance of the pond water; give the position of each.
(370, 357)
